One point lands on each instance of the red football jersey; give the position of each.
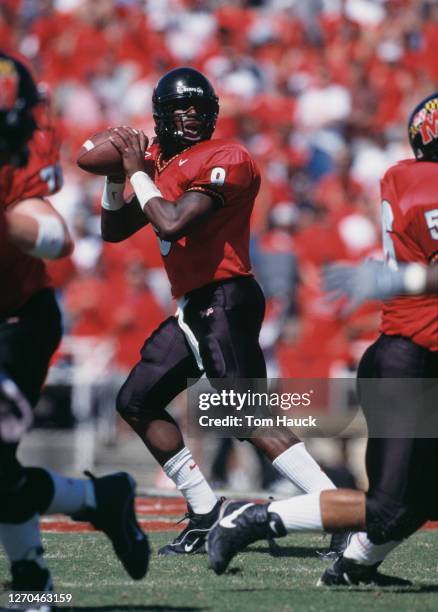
(22, 275)
(219, 247)
(410, 234)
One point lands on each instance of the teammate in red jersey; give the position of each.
(30, 329)
(397, 384)
(410, 234)
(198, 194)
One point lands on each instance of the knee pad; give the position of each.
(15, 411)
(141, 404)
(31, 494)
(124, 404)
(388, 520)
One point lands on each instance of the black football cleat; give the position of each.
(240, 523)
(29, 576)
(346, 572)
(338, 543)
(192, 538)
(115, 516)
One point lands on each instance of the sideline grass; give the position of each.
(83, 564)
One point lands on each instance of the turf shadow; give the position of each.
(418, 589)
(299, 552)
(256, 589)
(423, 588)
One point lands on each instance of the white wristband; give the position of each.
(144, 188)
(415, 278)
(112, 196)
(51, 237)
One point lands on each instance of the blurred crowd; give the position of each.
(318, 91)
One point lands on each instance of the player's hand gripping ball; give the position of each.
(113, 152)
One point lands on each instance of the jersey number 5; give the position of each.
(432, 222)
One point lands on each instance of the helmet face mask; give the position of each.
(185, 109)
(423, 129)
(18, 97)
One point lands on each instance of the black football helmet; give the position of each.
(185, 108)
(18, 97)
(423, 129)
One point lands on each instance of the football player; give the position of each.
(198, 194)
(397, 383)
(30, 329)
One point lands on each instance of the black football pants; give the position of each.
(28, 338)
(402, 466)
(223, 321)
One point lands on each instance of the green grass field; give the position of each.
(82, 564)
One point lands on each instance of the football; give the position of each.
(98, 155)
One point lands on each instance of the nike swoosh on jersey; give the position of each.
(227, 521)
(189, 547)
(182, 162)
(147, 154)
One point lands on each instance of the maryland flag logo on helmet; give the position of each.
(423, 129)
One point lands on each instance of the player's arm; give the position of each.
(432, 280)
(373, 280)
(171, 220)
(36, 228)
(119, 219)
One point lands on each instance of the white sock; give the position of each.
(302, 513)
(362, 550)
(188, 478)
(298, 466)
(21, 540)
(71, 495)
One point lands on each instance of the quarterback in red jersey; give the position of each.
(224, 171)
(30, 330)
(397, 385)
(198, 194)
